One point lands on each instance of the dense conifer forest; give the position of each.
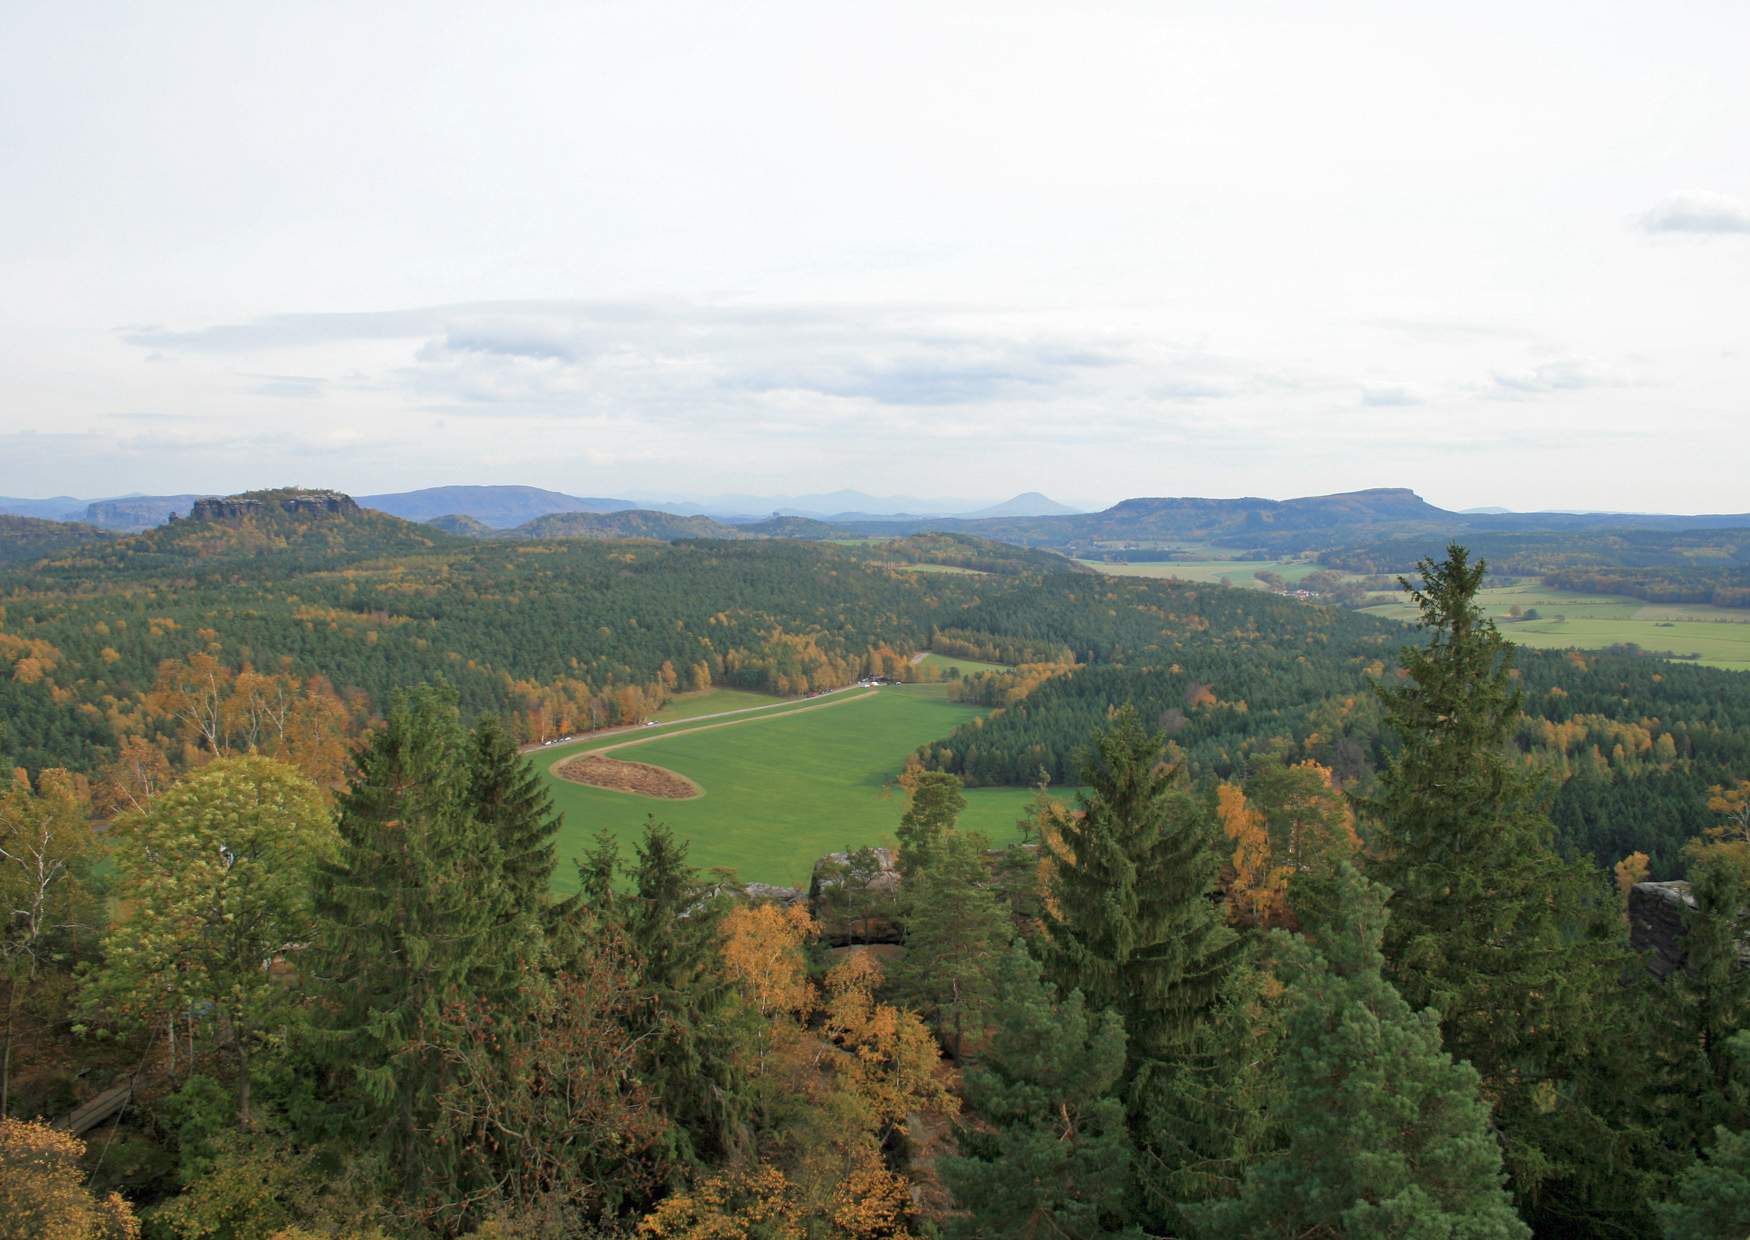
(1331, 939)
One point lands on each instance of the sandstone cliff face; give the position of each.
(1656, 916)
(306, 503)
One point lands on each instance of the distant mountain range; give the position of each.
(500, 507)
(126, 513)
(507, 507)
(1138, 525)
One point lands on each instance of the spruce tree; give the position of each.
(694, 1027)
(1132, 922)
(1387, 1136)
(1514, 947)
(1047, 1153)
(955, 932)
(506, 795)
(411, 921)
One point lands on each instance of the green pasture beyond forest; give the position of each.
(1719, 635)
(1233, 572)
(782, 786)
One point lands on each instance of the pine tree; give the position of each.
(1516, 949)
(1132, 923)
(1048, 1154)
(1386, 1135)
(411, 922)
(930, 814)
(955, 931)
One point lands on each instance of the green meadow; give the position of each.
(781, 787)
(714, 702)
(942, 662)
(1720, 635)
(1233, 572)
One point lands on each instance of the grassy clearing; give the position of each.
(780, 787)
(714, 701)
(1233, 572)
(942, 662)
(931, 568)
(1593, 621)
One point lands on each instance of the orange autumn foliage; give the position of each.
(763, 949)
(1285, 820)
(43, 1193)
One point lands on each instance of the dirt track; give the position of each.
(675, 724)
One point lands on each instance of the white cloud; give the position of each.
(1547, 378)
(625, 245)
(1390, 395)
(1698, 213)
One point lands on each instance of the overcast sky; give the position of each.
(1499, 253)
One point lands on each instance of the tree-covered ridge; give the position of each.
(1625, 747)
(24, 539)
(556, 636)
(337, 607)
(978, 554)
(633, 523)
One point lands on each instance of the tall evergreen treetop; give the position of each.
(506, 795)
(1132, 923)
(412, 918)
(695, 1027)
(1386, 1135)
(1514, 948)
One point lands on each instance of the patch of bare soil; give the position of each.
(639, 778)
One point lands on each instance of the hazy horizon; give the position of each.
(1500, 255)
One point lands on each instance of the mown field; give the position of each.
(713, 702)
(1234, 572)
(782, 786)
(1721, 636)
(942, 662)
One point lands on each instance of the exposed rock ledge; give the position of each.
(233, 507)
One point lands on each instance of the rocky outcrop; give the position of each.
(766, 893)
(855, 896)
(139, 512)
(254, 503)
(1658, 919)
(1657, 913)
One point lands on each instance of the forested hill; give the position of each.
(1659, 565)
(23, 539)
(255, 534)
(1196, 519)
(556, 635)
(498, 507)
(285, 620)
(633, 523)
